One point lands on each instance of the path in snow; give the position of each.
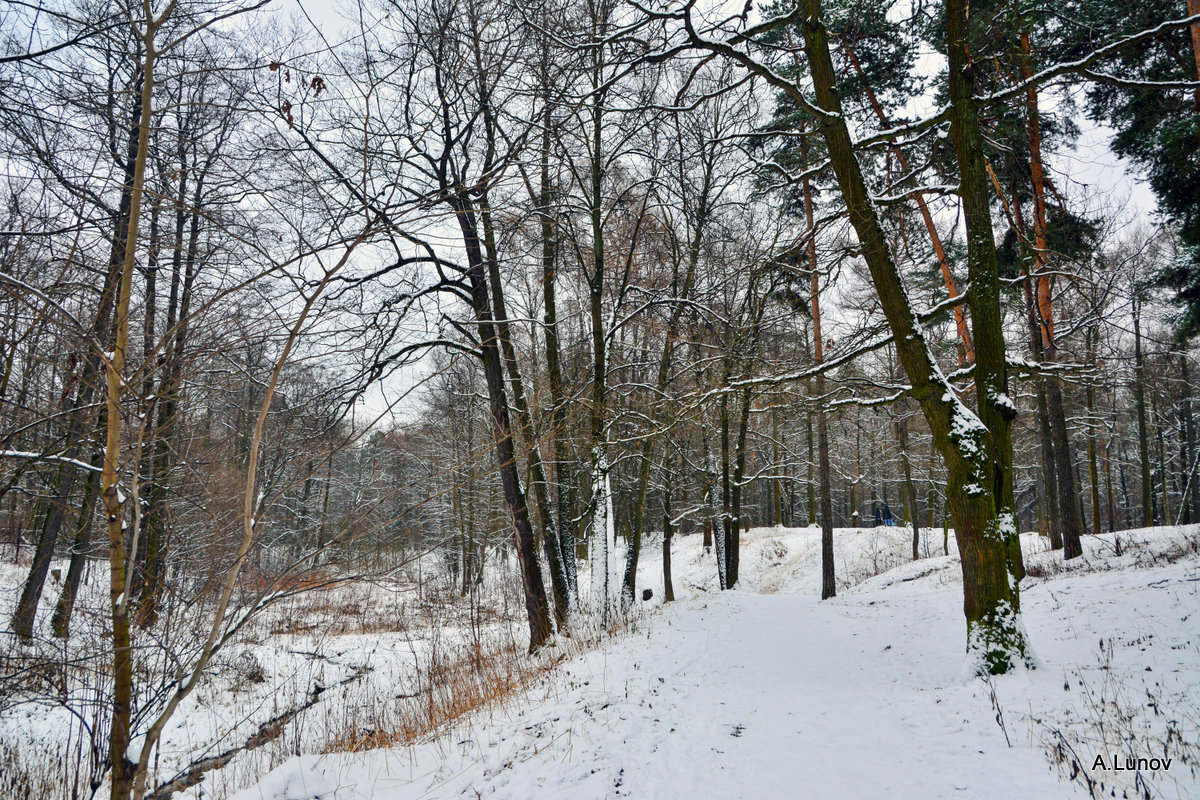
(731, 695)
(767, 692)
(778, 696)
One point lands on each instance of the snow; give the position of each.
(49, 457)
(748, 693)
(766, 691)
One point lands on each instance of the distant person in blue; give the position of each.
(888, 519)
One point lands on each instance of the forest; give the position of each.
(434, 346)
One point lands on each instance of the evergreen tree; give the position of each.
(1157, 127)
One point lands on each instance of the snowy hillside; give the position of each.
(768, 692)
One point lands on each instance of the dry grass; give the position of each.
(450, 692)
(462, 683)
(1117, 721)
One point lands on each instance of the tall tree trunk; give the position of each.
(1093, 468)
(977, 450)
(1051, 520)
(739, 473)
(668, 533)
(77, 406)
(1068, 497)
(910, 490)
(824, 472)
(1163, 471)
(714, 516)
(1108, 488)
(1064, 472)
(599, 445)
(1187, 427)
(558, 403)
(1139, 394)
(539, 484)
(776, 484)
(183, 274)
(123, 769)
(60, 621)
(811, 483)
(726, 532)
(536, 604)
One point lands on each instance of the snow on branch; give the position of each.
(56, 458)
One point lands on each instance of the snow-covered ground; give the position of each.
(761, 692)
(364, 649)
(767, 692)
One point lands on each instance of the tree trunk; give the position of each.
(123, 769)
(811, 483)
(977, 450)
(536, 604)
(739, 474)
(910, 490)
(539, 484)
(668, 533)
(1188, 455)
(1163, 472)
(60, 622)
(714, 515)
(77, 407)
(824, 472)
(599, 445)
(776, 482)
(558, 412)
(1093, 468)
(726, 532)
(1068, 497)
(1051, 520)
(1139, 394)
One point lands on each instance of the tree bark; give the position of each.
(1139, 394)
(558, 412)
(539, 484)
(123, 769)
(1187, 427)
(910, 490)
(537, 608)
(1093, 467)
(733, 555)
(726, 532)
(77, 408)
(977, 450)
(668, 533)
(824, 472)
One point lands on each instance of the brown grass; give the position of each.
(451, 691)
(452, 685)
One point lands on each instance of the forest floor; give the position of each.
(768, 692)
